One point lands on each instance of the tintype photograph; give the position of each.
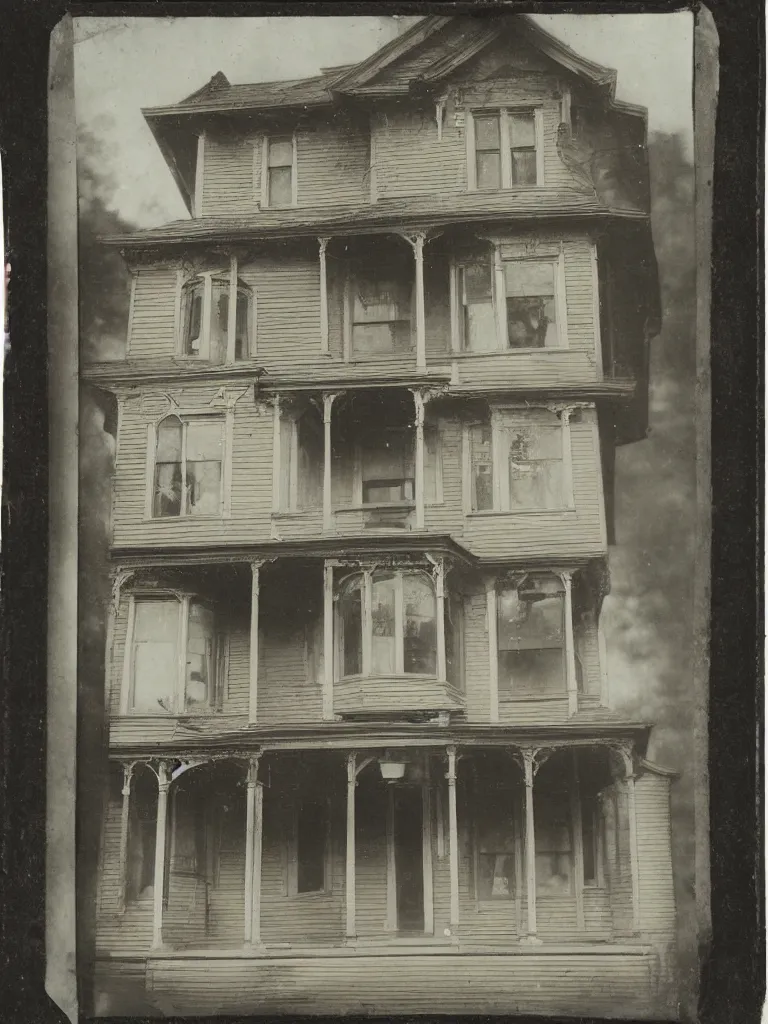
(388, 656)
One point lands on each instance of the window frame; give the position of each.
(291, 888)
(500, 467)
(350, 356)
(497, 262)
(219, 659)
(510, 693)
(264, 178)
(503, 112)
(366, 579)
(513, 803)
(288, 495)
(185, 284)
(226, 418)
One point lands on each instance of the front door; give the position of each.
(409, 864)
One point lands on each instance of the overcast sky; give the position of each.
(123, 64)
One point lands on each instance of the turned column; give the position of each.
(529, 771)
(418, 399)
(253, 657)
(232, 310)
(328, 400)
(253, 851)
(125, 811)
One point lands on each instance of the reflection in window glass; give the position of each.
(204, 459)
(522, 142)
(419, 636)
(531, 307)
(481, 467)
(383, 655)
(530, 632)
(168, 482)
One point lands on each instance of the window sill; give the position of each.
(404, 506)
(321, 896)
(505, 189)
(220, 518)
(490, 513)
(510, 352)
(562, 695)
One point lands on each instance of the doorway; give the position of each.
(409, 859)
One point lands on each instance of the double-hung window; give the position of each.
(506, 152)
(517, 462)
(280, 171)
(520, 307)
(530, 633)
(171, 663)
(188, 477)
(204, 332)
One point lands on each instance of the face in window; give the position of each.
(530, 296)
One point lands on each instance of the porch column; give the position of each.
(570, 650)
(350, 930)
(440, 596)
(253, 660)
(578, 840)
(124, 819)
(163, 782)
(327, 641)
(328, 400)
(418, 399)
(276, 458)
(417, 244)
(493, 648)
(232, 309)
(426, 818)
(453, 840)
(530, 845)
(629, 781)
(253, 848)
(324, 347)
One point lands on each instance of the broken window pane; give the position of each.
(204, 458)
(167, 485)
(200, 659)
(531, 644)
(155, 666)
(381, 316)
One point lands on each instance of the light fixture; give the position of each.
(392, 769)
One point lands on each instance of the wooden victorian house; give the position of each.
(363, 755)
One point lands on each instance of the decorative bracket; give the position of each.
(119, 578)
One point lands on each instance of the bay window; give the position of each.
(386, 624)
(520, 308)
(188, 477)
(507, 146)
(205, 319)
(531, 637)
(517, 462)
(170, 662)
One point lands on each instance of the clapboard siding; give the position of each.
(228, 176)
(583, 984)
(654, 855)
(153, 317)
(333, 166)
(476, 663)
(409, 159)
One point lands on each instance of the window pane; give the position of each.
(487, 132)
(155, 663)
(204, 440)
(554, 850)
(311, 828)
(242, 339)
(219, 323)
(169, 434)
(280, 190)
(203, 488)
(383, 625)
(350, 617)
(200, 634)
(419, 633)
(529, 278)
(194, 320)
(496, 876)
(432, 456)
(523, 167)
(382, 339)
(489, 170)
(310, 462)
(377, 301)
(529, 624)
(521, 130)
(536, 485)
(482, 468)
(167, 493)
(534, 439)
(531, 323)
(477, 282)
(281, 152)
(528, 673)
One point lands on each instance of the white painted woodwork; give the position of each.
(276, 469)
(426, 816)
(350, 850)
(323, 243)
(530, 847)
(633, 853)
(327, 641)
(232, 309)
(453, 840)
(417, 242)
(418, 399)
(161, 828)
(493, 651)
(570, 647)
(578, 840)
(253, 655)
(440, 601)
(122, 856)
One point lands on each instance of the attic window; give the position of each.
(506, 150)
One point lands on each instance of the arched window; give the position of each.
(386, 624)
(168, 468)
